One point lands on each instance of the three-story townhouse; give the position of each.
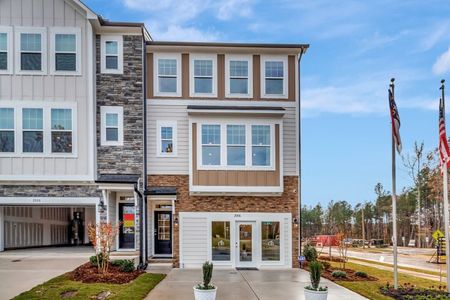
(223, 153)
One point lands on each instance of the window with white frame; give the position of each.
(203, 78)
(61, 130)
(5, 49)
(111, 125)
(32, 52)
(7, 141)
(238, 76)
(112, 54)
(240, 146)
(32, 130)
(167, 74)
(274, 77)
(166, 138)
(65, 50)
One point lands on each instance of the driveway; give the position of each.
(249, 285)
(21, 270)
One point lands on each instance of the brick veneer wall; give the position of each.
(124, 90)
(286, 203)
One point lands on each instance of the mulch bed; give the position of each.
(333, 258)
(88, 273)
(350, 275)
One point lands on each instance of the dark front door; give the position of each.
(127, 225)
(163, 232)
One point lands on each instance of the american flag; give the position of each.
(444, 152)
(395, 120)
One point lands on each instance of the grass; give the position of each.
(371, 289)
(52, 289)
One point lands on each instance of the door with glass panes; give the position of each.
(246, 244)
(163, 233)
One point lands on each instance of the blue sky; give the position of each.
(356, 47)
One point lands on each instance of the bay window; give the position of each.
(33, 130)
(7, 130)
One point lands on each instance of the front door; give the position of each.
(245, 240)
(163, 232)
(127, 225)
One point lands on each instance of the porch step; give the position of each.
(160, 260)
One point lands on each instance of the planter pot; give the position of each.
(315, 295)
(205, 294)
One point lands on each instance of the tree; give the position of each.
(102, 237)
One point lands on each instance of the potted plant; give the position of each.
(205, 290)
(314, 291)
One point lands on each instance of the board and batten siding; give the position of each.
(49, 88)
(193, 240)
(179, 165)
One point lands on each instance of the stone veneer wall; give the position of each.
(287, 202)
(123, 90)
(49, 191)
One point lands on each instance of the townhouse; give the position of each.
(192, 148)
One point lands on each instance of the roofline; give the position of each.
(221, 44)
(106, 22)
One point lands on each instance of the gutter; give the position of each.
(299, 159)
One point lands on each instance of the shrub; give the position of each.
(339, 274)
(315, 270)
(326, 265)
(207, 275)
(310, 253)
(127, 265)
(96, 260)
(361, 274)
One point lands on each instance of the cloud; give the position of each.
(442, 64)
(434, 36)
(227, 9)
(174, 32)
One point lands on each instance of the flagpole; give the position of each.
(446, 217)
(394, 202)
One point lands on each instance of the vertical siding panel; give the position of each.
(149, 72)
(38, 88)
(27, 88)
(185, 76)
(38, 12)
(291, 77)
(5, 12)
(5, 87)
(16, 12)
(256, 77)
(48, 12)
(59, 13)
(221, 76)
(27, 12)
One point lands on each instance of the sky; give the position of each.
(355, 48)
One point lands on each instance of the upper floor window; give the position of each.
(274, 77)
(32, 52)
(5, 50)
(203, 75)
(236, 145)
(65, 50)
(168, 75)
(112, 54)
(111, 125)
(211, 142)
(238, 76)
(61, 130)
(166, 138)
(7, 130)
(261, 145)
(33, 130)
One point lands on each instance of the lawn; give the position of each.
(52, 289)
(371, 289)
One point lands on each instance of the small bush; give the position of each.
(315, 270)
(93, 259)
(339, 274)
(361, 274)
(326, 265)
(125, 265)
(310, 253)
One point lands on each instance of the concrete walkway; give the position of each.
(249, 285)
(21, 270)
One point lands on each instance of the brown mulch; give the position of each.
(88, 273)
(350, 275)
(333, 258)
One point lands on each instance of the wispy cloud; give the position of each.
(442, 64)
(434, 35)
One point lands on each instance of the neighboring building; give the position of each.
(223, 153)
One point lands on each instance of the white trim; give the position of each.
(235, 111)
(9, 48)
(65, 30)
(279, 58)
(256, 247)
(111, 110)
(35, 178)
(173, 125)
(46, 129)
(192, 58)
(156, 57)
(242, 57)
(91, 104)
(136, 236)
(32, 30)
(49, 200)
(111, 38)
(178, 102)
(236, 190)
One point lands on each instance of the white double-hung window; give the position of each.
(111, 125)
(5, 50)
(111, 54)
(7, 125)
(238, 76)
(261, 145)
(274, 77)
(166, 138)
(32, 130)
(203, 75)
(65, 50)
(211, 144)
(236, 145)
(32, 52)
(61, 130)
(167, 74)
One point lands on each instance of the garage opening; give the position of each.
(37, 226)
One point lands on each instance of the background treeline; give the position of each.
(422, 200)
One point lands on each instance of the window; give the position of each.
(61, 129)
(260, 145)
(6, 50)
(65, 49)
(112, 54)
(111, 125)
(166, 138)
(270, 241)
(220, 240)
(7, 130)
(31, 57)
(167, 75)
(203, 70)
(211, 145)
(236, 145)
(274, 77)
(238, 75)
(33, 130)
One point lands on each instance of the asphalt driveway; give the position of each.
(21, 270)
(249, 285)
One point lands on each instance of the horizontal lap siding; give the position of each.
(193, 238)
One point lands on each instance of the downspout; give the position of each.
(142, 264)
(144, 82)
(299, 161)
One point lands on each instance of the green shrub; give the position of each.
(125, 265)
(207, 275)
(94, 260)
(326, 265)
(339, 274)
(310, 253)
(361, 274)
(315, 270)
